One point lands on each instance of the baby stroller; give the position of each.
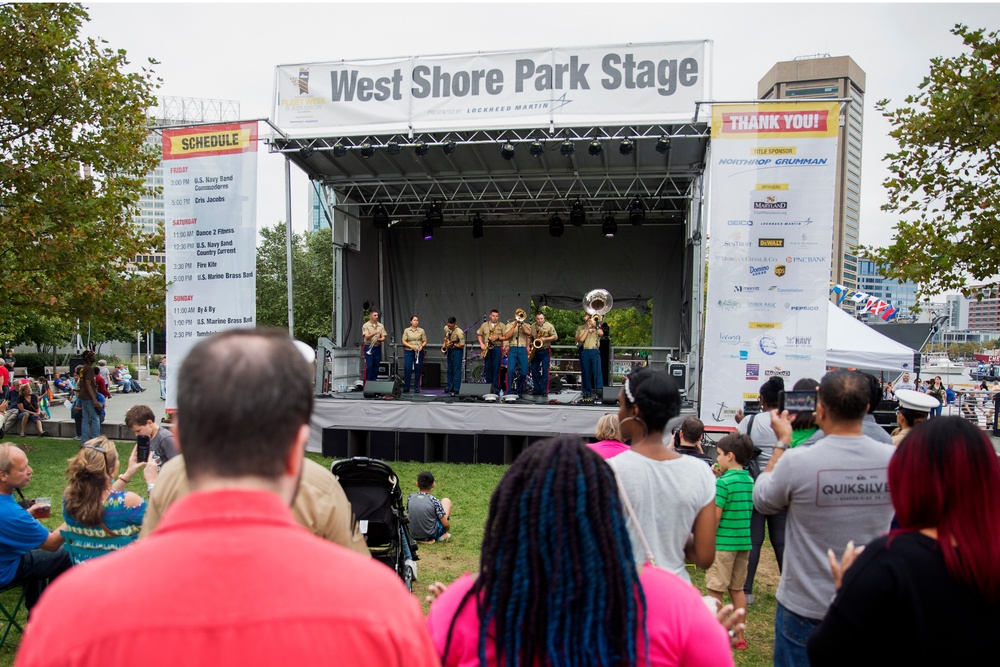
(373, 489)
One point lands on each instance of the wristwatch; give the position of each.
(781, 445)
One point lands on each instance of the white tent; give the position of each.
(854, 344)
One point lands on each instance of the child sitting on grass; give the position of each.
(429, 517)
(733, 505)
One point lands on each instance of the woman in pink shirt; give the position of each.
(609, 437)
(558, 585)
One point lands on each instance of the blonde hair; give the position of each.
(88, 476)
(608, 429)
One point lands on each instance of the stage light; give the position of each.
(367, 150)
(392, 148)
(577, 214)
(421, 149)
(595, 147)
(306, 151)
(433, 215)
(507, 151)
(339, 150)
(477, 227)
(636, 212)
(609, 226)
(537, 148)
(450, 147)
(556, 226)
(567, 148)
(428, 230)
(663, 145)
(626, 146)
(380, 217)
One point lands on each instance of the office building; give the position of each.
(901, 296)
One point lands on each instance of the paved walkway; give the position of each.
(61, 425)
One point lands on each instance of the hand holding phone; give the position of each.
(797, 401)
(142, 448)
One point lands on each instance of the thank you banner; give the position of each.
(209, 195)
(510, 89)
(771, 201)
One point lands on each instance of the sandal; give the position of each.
(741, 645)
(44, 434)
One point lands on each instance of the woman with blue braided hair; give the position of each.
(558, 584)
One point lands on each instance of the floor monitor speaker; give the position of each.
(610, 395)
(474, 390)
(380, 388)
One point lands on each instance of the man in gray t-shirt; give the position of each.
(835, 491)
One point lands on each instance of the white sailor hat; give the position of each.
(915, 400)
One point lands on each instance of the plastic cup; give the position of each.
(46, 510)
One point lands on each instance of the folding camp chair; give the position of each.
(10, 613)
(82, 548)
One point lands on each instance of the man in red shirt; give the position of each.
(228, 576)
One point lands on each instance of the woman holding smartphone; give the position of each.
(95, 502)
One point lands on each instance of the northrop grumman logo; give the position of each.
(770, 204)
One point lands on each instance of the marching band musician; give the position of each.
(414, 340)
(454, 341)
(490, 334)
(589, 335)
(545, 333)
(519, 334)
(373, 334)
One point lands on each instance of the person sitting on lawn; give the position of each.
(609, 437)
(429, 517)
(28, 410)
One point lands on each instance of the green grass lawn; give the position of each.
(468, 486)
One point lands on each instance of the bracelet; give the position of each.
(149, 488)
(122, 478)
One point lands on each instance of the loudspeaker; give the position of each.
(474, 390)
(678, 372)
(386, 370)
(610, 395)
(380, 388)
(432, 376)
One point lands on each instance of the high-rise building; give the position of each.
(819, 77)
(900, 295)
(984, 308)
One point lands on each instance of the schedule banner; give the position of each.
(624, 84)
(773, 179)
(209, 195)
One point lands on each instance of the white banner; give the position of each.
(773, 178)
(210, 201)
(637, 83)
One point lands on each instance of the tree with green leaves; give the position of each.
(72, 167)
(312, 271)
(945, 177)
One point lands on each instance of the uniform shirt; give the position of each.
(239, 583)
(489, 329)
(414, 337)
(456, 336)
(519, 339)
(592, 340)
(543, 331)
(368, 329)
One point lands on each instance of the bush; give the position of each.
(34, 361)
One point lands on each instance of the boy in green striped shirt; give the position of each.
(733, 505)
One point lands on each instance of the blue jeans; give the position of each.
(517, 365)
(411, 362)
(491, 368)
(454, 370)
(372, 362)
(791, 633)
(540, 372)
(590, 371)
(163, 389)
(90, 427)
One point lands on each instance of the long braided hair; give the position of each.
(557, 582)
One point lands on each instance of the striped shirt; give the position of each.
(734, 494)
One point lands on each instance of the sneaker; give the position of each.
(416, 391)
(444, 538)
(749, 599)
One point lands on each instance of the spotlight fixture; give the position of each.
(433, 215)
(556, 226)
(663, 145)
(450, 147)
(392, 148)
(577, 214)
(609, 226)
(306, 151)
(507, 151)
(567, 148)
(477, 227)
(380, 217)
(421, 149)
(595, 147)
(339, 150)
(537, 148)
(626, 146)
(367, 150)
(636, 212)
(428, 230)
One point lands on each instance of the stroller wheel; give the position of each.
(409, 574)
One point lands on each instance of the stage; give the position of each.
(431, 426)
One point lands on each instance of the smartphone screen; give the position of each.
(797, 401)
(142, 448)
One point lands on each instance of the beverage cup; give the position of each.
(46, 510)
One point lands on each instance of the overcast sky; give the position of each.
(229, 51)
